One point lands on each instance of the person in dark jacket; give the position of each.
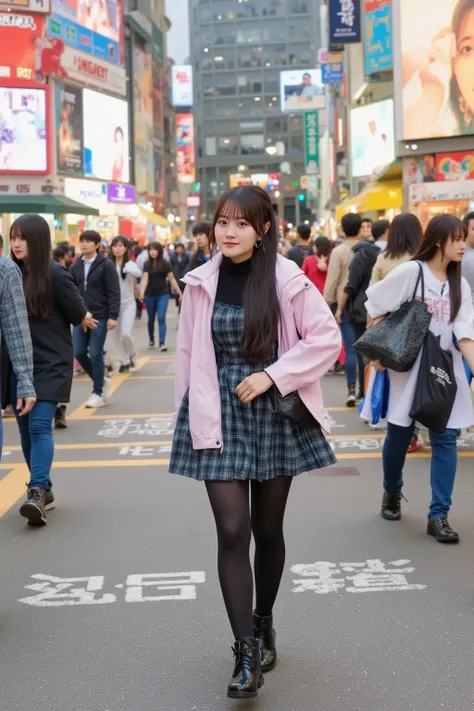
(97, 280)
(354, 297)
(180, 261)
(53, 304)
(303, 249)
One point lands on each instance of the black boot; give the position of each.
(264, 632)
(391, 506)
(60, 418)
(247, 677)
(442, 531)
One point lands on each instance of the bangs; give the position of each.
(242, 204)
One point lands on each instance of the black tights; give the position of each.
(235, 524)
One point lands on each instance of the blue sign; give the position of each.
(332, 73)
(378, 36)
(344, 21)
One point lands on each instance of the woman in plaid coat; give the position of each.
(250, 321)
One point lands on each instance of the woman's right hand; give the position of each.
(378, 366)
(89, 322)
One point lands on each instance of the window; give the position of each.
(248, 35)
(227, 128)
(272, 31)
(298, 55)
(297, 144)
(248, 9)
(227, 144)
(225, 85)
(252, 143)
(249, 57)
(225, 107)
(250, 83)
(272, 82)
(223, 59)
(210, 145)
(298, 7)
(274, 56)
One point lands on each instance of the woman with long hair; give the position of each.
(316, 265)
(404, 238)
(121, 338)
(253, 330)
(448, 298)
(157, 275)
(53, 304)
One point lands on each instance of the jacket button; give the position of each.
(218, 443)
(306, 283)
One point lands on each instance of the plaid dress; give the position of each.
(258, 444)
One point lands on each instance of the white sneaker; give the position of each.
(95, 401)
(106, 389)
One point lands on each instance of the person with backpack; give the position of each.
(303, 248)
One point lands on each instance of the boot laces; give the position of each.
(243, 657)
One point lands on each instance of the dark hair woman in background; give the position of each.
(316, 265)
(121, 338)
(53, 303)
(157, 272)
(404, 238)
(448, 297)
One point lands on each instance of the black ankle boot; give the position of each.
(264, 632)
(391, 506)
(247, 677)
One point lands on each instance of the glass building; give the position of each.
(238, 49)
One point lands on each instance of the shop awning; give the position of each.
(377, 196)
(50, 204)
(155, 219)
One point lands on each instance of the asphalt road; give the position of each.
(125, 612)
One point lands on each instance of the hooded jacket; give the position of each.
(101, 291)
(360, 272)
(308, 344)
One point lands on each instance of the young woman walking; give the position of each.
(121, 338)
(448, 297)
(157, 274)
(251, 321)
(53, 304)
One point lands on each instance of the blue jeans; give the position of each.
(89, 352)
(443, 465)
(36, 434)
(353, 359)
(157, 305)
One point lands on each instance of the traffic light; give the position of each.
(301, 197)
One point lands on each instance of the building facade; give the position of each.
(238, 51)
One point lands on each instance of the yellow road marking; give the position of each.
(153, 377)
(12, 487)
(85, 413)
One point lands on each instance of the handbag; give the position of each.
(397, 340)
(436, 386)
(292, 408)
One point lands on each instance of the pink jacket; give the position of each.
(301, 362)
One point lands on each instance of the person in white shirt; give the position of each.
(448, 297)
(121, 338)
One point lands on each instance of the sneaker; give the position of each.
(95, 401)
(415, 445)
(124, 369)
(106, 389)
(163, 348)
(152, 343)
(49, 502)
(60, 418)
(351, 396)
(33, 508)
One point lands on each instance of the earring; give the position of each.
(465, 110)
(258, 243)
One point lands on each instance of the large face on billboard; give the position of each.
(69, 134)
(302, 90)
(92, 26)
(437, 56)
(105, 137)
(23, 130)
(372, 138)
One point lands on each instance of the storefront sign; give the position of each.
(122, 194)
(39, 6)
(193, 201)
(439, 192)
(266, 181)
(69, 129)
(71, 64)
(332, 71)
(344, 21)
(17, 185)
(89, 192)
(311, 142)
(455, 166)
(185, 148)
(378, 53)
(19, 35)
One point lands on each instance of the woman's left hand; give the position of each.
(253, 386)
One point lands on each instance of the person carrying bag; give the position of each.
(448, 299)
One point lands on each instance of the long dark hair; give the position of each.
(461, 11)
(126, 257)
(261, 310)
(157, 262)
(440, 229)
(404, 236)
(35, 231)
(323, 246)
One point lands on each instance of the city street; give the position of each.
(115, 605)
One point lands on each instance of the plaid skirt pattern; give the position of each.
(258, 444)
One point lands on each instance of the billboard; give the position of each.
(378, 54)
(19, 34)
(344, 21)
(372, 138)
(182, 85)
(451, 167)
(106, 137)
(436, 68)
(185, 148)
(90, 26)
(143, 120)
(24, 145)
(40, 6)
(302, 90)
(69, 133)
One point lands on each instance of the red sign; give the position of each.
(372, 5)
(19, 34)
(454, 166)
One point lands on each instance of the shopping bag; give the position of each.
(436, 386)
(374, 406)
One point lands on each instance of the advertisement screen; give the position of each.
(182, 85)
(106, 137)
(143, 120)
(24, 140)
(69, 134)
(372, 138)
(19, 35)
(93, 26)
(437, 68)
(378, 53)
(41, 6)
(302, 90)
(185, 148)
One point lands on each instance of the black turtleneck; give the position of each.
(232, 280)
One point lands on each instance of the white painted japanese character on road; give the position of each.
(169, 586)
(318, 578)
(55, 592)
